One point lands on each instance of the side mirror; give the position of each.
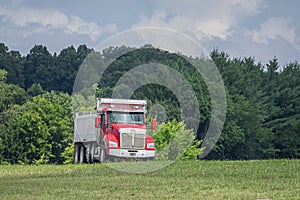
(153, 124)
(107, 126)
(97, 122)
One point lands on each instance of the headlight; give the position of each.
(151, 145)
(112, 144)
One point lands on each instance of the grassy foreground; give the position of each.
(269, 179)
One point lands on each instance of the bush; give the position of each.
(173, 141)
(68, 154)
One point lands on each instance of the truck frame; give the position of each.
(115, 130)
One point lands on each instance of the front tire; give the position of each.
(103, 156)
(150, 159)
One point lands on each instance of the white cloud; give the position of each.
(81, 27)
(24, 17)
(204, 20)
(272, 28)
(213, 28)
(249, 7)
(45, 20)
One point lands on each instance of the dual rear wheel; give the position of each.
(84, 154)
(79, 153)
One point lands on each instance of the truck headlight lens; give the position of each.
(151, 145)
(112, 144)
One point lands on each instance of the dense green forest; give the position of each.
(36, 114)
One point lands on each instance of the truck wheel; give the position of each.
(151, 159)
(89, 158)
(92, 153)
(76, 153)
(88, 154)
(102, 157)
(81, 158)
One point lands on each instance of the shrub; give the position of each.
(68, 154)
(174, 141)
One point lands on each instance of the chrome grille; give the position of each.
(133, 140)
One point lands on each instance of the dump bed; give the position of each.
(121, 104)
(84, 127)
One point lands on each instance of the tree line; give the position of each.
(36, 116)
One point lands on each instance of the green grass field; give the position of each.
(269, 179)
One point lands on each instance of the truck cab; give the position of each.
(120, 132)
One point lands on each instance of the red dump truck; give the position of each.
(115, 130)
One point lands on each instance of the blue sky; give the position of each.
(256, 28)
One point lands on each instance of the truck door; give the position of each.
(103, 126)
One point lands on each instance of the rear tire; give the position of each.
(76, 153)
(92, 154)
(88, 154)
(82, 154)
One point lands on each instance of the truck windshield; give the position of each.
(125, 117)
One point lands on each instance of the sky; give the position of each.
(242, 28)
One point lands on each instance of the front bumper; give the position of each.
(127, 153)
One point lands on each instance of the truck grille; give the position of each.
(133, 140)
